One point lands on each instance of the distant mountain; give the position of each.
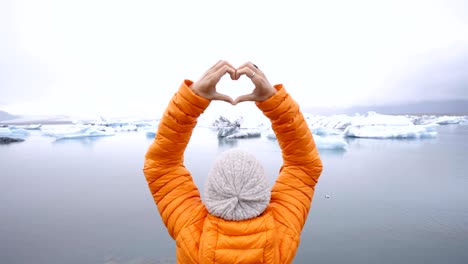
(449, 107)
(6, 116)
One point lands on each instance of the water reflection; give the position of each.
(331, 152)
(380, 142)
(227, 143)
(411, 194)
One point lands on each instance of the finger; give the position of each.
(222, 71)
(220, 64)
(222, 97)
(247, 72)
(244, 98)
(216, 65)
(251, 66)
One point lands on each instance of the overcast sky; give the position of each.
(129, 57)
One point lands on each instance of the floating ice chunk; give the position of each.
(13, 133)
(150, 129)
(144, 123)
(224, 122)
(7, 140)
(254, 120)
(449, 120)
(226, 127)
(126, 128)
(332, 143)
(151, 134)
(62, 130)
(329, 143)
(334, 121)
(324, 131)
(384, 131)
(227, 131)
(374, 119)
(90, 132)
(270, 134)
(245, 134)
(80, 131)
(375, 125)
(29, 127)
(440, 120)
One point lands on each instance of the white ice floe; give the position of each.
(150, 132)
(13, 133)
(331, 143)
(149, 129)
(328, 143)
(270, 134)
(332, 122)
(374, 119)
(28, 127)
(384, 131)
(375, 125)
(440, 120)
(125, 128)
(235, 124)
(324, 131)
(227, 131)
(77, 131)
(251, 133)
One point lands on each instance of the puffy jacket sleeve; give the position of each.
(294, 188)
(175, 193)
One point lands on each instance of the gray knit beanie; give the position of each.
(236, 188)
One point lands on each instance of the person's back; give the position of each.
(240, 220)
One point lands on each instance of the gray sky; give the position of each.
(129, 57)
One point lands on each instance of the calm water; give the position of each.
(86, 201)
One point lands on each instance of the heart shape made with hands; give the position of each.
(206, 86)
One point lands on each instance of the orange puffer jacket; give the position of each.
(272, 237)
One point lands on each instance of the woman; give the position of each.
(240, 220)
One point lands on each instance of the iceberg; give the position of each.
(226, 131)
(7, 140)
(222, 122)
(29, 127)
(448, 120)
(333, 122)
(374, 119)
(324, 131)
(253, 133)
(323, 143)
(126, 128)
(140, 123)
(384, 132)
(270, 134)
(8, 135)
(226, 127)
(149, 129)
(150, 132)
(79, 131)
(330, 143)
(375, 125)
(440, 120)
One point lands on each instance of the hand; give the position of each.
(206, 85)
(263, 89)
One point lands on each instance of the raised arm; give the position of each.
(293, 191)
(170, 183)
